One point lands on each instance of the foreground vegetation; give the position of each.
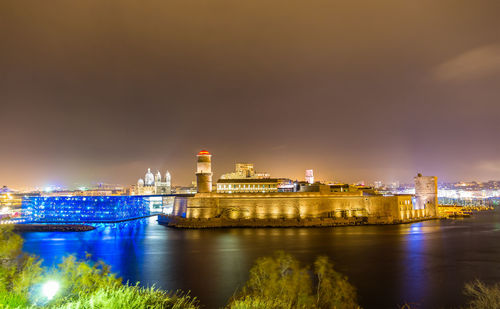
(274, 282)
(280, 282)
(83, 284)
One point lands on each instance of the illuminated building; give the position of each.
(11, 201)
(82, 209)
(245, 170)
(245, 179)
(247, 185)
(153, 184)
(394, 185)
(309, 176)
(253, 199)
(426, 194)
(257, 185)
(204, 172)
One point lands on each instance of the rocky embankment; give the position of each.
(52, 228)
(178, 222)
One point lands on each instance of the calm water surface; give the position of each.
(424, 263)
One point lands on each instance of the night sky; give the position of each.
(96, 90)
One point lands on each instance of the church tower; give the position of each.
(204, 172)
(168, 179)
(158, 178)
(149, 179)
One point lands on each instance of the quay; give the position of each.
(183, 223)
(52, 227)
(456, 211)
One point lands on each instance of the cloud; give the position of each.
(490, 166)
(472, 64)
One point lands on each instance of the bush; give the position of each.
(333, 289)
(79, 278)
(129, 297)
(84, 284)
(280, 282)
(482, 296)
(18, 271)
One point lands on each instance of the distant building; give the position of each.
(309, 176)
(245, 180)
(248, 185)
(319, 187)
(245, 170)
(11, 201)
(394, 185)
(360, 183)
(153, 184)
(255, 185)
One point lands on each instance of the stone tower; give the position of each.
(309, 176)
(426, 194)
(204, 172)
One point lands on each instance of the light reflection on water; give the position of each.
(424, 263)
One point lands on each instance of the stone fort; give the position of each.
(322, 202)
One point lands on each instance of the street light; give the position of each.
(50, 288)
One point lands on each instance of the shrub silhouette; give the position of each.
(280, 282)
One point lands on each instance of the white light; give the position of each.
(50, 288)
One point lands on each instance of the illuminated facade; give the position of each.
(251, 198)
(247, 185)
(204, 172)
(426, 194)
(245, 180)
(153, 184)
(81, 209)
(254, 185)
(309, 176)
(245, 170)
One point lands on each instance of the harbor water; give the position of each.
(425, 264)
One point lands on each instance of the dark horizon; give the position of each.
(356, 90)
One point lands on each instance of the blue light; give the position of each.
(80, 209)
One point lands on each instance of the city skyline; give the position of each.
(355, 91)
(96, 183)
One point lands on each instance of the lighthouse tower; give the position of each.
(204, 172)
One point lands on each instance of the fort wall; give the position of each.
(299, 206)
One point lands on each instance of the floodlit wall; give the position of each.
(74, 209)
(426, 194)
(180, 206)
(378, 209)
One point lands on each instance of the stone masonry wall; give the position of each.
(377, 209)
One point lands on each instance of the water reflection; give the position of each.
(412, 263)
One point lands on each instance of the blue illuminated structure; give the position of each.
(81, 209)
